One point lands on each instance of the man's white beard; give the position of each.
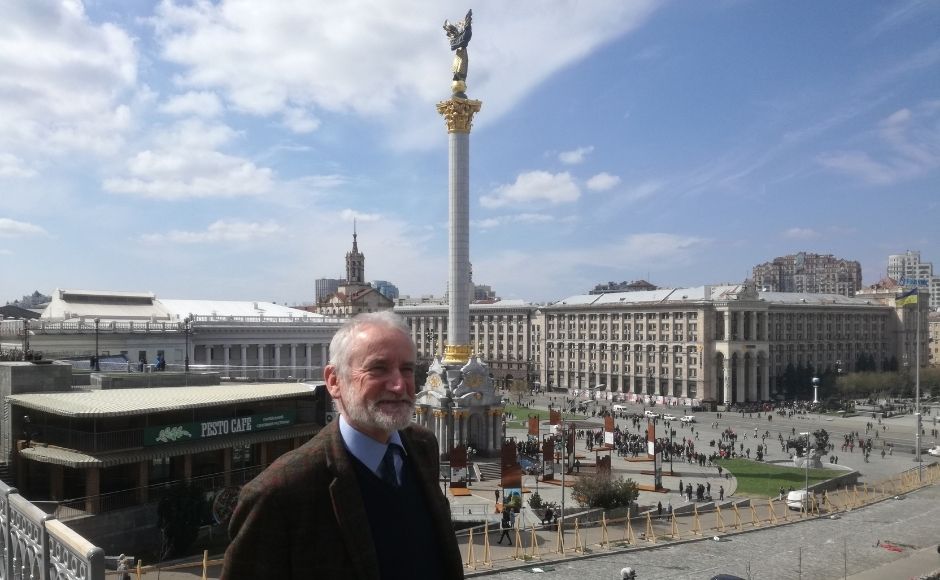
(375, 415)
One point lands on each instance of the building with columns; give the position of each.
(238, 339)
(720, 344)
(503, 333)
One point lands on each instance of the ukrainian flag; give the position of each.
(909, 297)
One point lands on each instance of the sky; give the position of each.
(222, 150)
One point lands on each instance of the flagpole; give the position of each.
(917, 418)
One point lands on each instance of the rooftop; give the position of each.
(119, 402)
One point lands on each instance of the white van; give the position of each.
(798, 498)
(619, 408)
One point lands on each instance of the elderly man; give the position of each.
(361, 499)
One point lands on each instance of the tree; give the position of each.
(601, 491)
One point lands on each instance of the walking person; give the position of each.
(509, 518)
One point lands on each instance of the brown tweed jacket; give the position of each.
(303, 517)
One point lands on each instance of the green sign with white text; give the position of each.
(184, 432)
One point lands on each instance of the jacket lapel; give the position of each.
(349, 509)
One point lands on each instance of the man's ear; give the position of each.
(331, 376)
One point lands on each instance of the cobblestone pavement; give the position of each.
(860, 544)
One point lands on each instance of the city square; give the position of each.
(635, 305)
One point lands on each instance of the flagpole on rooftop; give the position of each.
(917, 418)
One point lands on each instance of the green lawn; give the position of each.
(764, 480)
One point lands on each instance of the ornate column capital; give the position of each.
(458, 113)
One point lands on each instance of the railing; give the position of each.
(107, 502)
(37, 546)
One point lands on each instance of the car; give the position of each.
(935, 451)
(619, 408)
(669, 417)
(798, 498)
(650, 414)
(688, 419)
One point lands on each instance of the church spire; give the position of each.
(355, 262)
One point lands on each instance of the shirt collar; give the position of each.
(365, 448)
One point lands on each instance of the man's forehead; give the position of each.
(376, 342)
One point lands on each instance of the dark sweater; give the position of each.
(401, 526)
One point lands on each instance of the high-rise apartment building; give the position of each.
(811, 273)
(324, 287)
(907, 270)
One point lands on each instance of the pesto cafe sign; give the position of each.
(183, 432)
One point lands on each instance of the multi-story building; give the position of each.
(715, 343)
(811, 273)
(324, 287)
(237, 338)
(909, 271)
(504, 334)
(386, 288)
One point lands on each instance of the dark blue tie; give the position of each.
(387, 466)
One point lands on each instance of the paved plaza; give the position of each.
(887, 540)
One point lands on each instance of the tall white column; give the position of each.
(245, 360)
(458, 115)
(324, 358)
(277, 360)
(226, 354)
(293, 360)
(261, 360)
(308, 351)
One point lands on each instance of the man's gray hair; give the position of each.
(340, 346)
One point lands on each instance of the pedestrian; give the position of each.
(123, 567)
(506, 524)
(659, 509)
(721, 493)
(337, 506)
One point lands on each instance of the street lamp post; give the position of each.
(186, 323)
(97, 366)
(815, 389)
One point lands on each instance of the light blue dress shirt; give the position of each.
(369, 451)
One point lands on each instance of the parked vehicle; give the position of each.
(619, 408)
(650, 414)
(669, 417)
(688, 419)
(935, 451)
(799, 498)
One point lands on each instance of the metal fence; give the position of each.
(36, 546)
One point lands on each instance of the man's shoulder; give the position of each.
(301, 466)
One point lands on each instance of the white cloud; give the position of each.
(300, 120)
(12, 229)
(602, 182)
(534, 187)
(800, 234)
(521, 218)
(575, 156)
(184, 164)
(374, 58)
(911, 143)
(198, 103)
(63, 80)
(348, 215)
(217, 232)
(13, 166)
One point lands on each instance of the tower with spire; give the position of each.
(356, 295)
(355, 264)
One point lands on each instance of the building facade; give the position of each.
(505, 334)
(715, 343)
(255, 340)
(909, 271)
(811, 273)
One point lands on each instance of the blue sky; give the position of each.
(221, 150)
